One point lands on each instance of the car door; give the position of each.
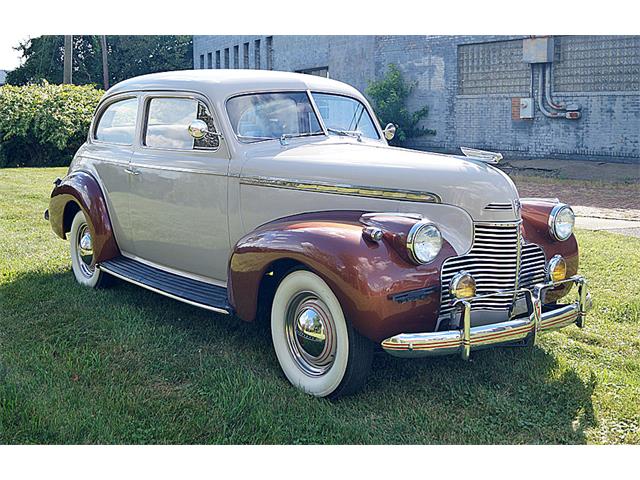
(179, 189)
(109, 152)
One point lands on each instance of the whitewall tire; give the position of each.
(318, 350)
(82, 260)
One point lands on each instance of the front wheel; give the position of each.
(318, 350)
(82, 258)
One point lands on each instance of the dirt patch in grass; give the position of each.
(619, 196)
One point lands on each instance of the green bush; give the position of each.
(389, 97)
(44, 125)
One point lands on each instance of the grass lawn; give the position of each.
(125, 365)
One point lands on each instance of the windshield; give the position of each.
(268, 116)
(344, 115)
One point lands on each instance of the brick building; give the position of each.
(482, 91)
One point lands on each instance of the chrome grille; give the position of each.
(533, 266)
(498, 206)
(493, 262)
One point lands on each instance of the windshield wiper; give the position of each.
(254, 138)
(285, 136)
(346, 133)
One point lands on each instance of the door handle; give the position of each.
(132, 171)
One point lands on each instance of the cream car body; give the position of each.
(226, 220)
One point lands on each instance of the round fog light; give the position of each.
(463, 285)
(557, 269)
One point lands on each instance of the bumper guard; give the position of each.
(467, 338)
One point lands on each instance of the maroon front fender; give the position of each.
(83, 190)
(368, 278)
(535, 229)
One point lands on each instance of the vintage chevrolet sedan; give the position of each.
(256, 193)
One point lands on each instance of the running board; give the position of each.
(187, 290)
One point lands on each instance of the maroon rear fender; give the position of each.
(376, 285)
(81, 190)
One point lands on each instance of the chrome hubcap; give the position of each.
(311, 334)
(85, 251)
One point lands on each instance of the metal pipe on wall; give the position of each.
(541, 106)
(547, 90)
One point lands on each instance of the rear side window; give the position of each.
(168, 121)
(117, 123)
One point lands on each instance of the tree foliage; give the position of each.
(389, 96)
(128, 56)
(43, 125)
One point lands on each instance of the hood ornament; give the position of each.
(481, 155)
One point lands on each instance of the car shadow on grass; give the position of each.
(506, 395)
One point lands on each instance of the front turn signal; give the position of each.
(557, 269)
(463, 285)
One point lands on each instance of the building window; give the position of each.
(318, 71)
(256, 63)
(236, 56)
(226, 58)
(493, 68)
(599, 63)
(269, 53)
(202, 61)
(209, 60)
(245, 52)
(217, 58)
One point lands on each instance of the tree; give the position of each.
(389, 97)
(128, 55)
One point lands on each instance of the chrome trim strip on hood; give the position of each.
(339, 189)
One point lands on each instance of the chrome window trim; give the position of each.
(316, 110)
(343, 189)
(146, 98)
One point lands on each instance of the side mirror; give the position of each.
(389, 131)
(198, 129)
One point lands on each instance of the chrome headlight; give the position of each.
(561, 221)
(424, 242)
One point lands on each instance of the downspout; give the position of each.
(547, 90)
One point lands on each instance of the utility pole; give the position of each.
(105, 64)
(68, 59)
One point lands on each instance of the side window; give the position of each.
(117, 123)
(168, 121)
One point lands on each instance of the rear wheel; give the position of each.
(318, 350)
(82, 258)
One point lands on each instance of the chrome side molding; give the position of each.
(340, 189)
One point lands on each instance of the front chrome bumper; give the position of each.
(468, 338)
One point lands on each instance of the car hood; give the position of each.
(468, 184)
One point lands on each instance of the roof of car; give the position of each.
(220, 84)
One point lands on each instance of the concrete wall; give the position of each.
(609, 128)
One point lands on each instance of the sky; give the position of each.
(9, 57)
